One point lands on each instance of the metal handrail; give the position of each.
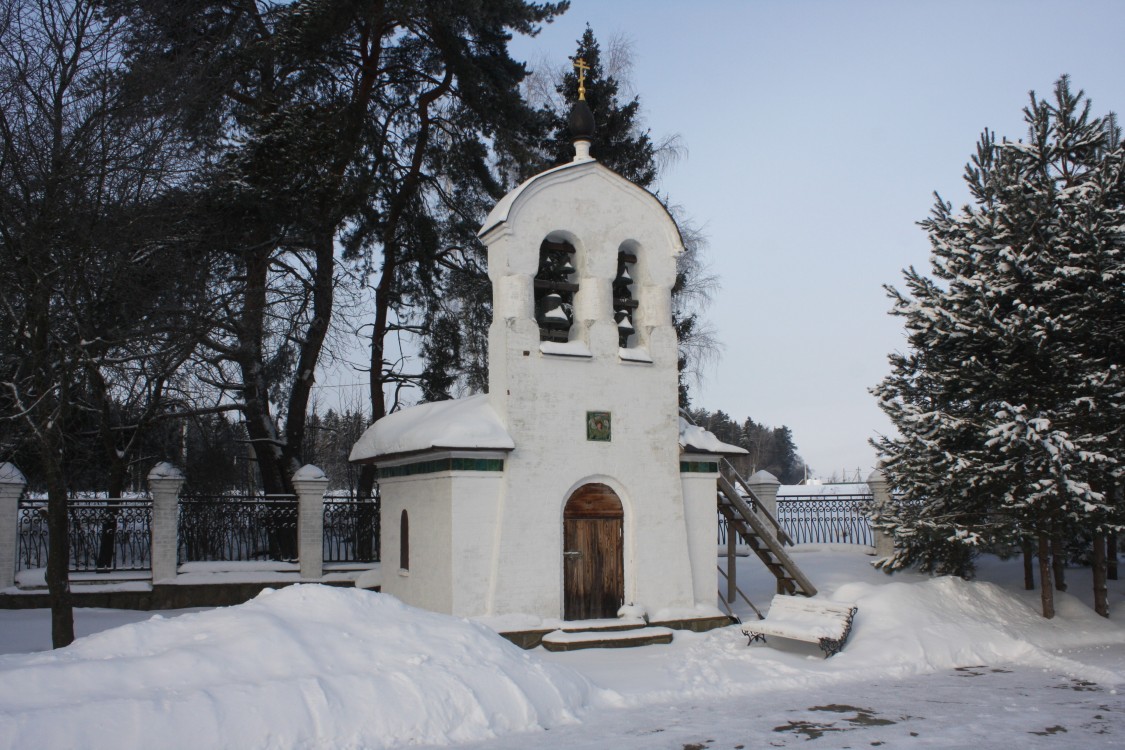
(774, 545)
(756, 504)
(740, 593)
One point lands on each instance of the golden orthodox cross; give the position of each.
(582, 67)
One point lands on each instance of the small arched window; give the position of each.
(554, 290)
(404, 541)
(624, 305)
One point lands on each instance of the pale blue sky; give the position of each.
(817, 132)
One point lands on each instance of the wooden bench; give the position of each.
(824, 623)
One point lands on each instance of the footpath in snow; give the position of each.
(314, 666)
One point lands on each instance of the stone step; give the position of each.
(560, 640)
(607, 624)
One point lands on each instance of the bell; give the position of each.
(554, 314)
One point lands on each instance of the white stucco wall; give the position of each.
(543, 398)
(699, 511)
(475, 508)
(429, 581)
(449, 571)
(490, 543)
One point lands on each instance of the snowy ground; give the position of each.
(931, 663)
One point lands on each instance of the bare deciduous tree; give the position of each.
(93, 305)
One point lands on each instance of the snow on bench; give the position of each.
(826, 624)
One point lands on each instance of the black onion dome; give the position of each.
(581, 122)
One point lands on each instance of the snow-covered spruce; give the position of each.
(1009, 401)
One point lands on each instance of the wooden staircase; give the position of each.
(753, 523)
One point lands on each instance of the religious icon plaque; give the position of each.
(598, 426)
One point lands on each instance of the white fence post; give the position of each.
(881, 498)
(164, 482)
(310, 484)
(764, 486)
(12, 483)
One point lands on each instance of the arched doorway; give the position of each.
(593, 560)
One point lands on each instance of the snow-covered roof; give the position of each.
(839, 488)
(694, 439)
(465, 424)
(502, 211)
(499, 213)
(309, 472)
(165, 470)
(9, 474)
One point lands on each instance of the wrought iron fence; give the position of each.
(105, 535)
(237, 528)
(112, 534)
(31, 534)
(351, 530)
(838, 519)
(31, 527)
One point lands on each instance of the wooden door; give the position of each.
(593, 559)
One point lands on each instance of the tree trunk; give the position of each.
(1046, 589)
(260, 425)
(312, 343)
(376, 362)
(107, 538)
(269, 448)
(1101, 594)
(58, 557)
(375, 393)
(49, 428)
(1028, 564)
(117, 470)
(1117, 492)
(1058, 563)
(1111, 555)
(391, 236)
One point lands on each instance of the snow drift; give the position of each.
(302, 667)
(312, 666)
(909, 624)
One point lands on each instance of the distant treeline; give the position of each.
(768, 448)
(214, 452)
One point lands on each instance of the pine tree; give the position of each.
(619, 142)
(1006, 400)
(790, 466)
(623, 144)
(366, 126)
(768, 449)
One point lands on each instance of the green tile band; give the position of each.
(699, 467)
(442, 464)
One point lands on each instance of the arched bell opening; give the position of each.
(593, 553)
(624, 297)
(555, 287)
